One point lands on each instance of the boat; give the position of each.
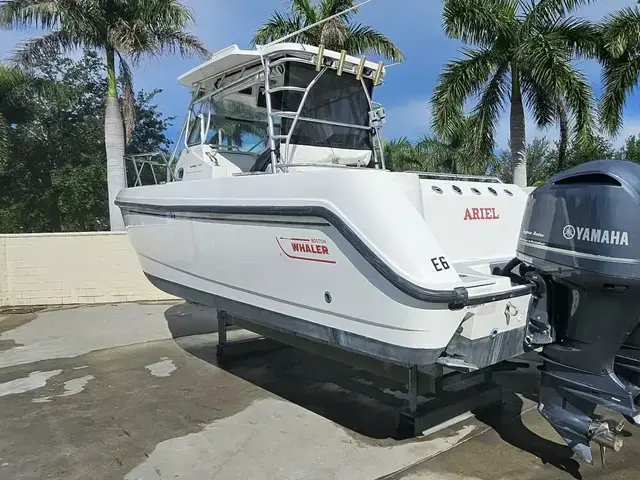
(279, 209)
(311, 233)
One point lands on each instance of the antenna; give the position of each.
(335, 15)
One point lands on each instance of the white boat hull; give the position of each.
(346, 257)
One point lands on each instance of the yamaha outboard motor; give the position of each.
(580, 243)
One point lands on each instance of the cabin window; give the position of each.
(194, 132)
(235, 125)
(333, 98)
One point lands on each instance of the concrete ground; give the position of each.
(134, 391)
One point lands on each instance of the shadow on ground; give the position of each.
(509, 426)
(520, 380)
(356, 399)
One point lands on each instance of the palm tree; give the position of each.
(455, 152)
(121, 29)
(12, 104)
(522, 55)
(620, 58)
(540, 163)
(17, 89)
(401, 155)
(335, 34)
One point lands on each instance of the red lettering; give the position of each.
(487, 213)
(309, 248)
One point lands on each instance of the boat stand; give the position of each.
(240, 347)
(446, 394)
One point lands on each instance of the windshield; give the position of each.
(232, 125)
(333, 98)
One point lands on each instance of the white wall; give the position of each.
(71, 268)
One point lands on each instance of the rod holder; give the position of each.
(376, 79)
(343, 57)
(320, 57)
(361, 68)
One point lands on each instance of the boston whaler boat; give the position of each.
(280, 210)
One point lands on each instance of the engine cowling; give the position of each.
(580, 236)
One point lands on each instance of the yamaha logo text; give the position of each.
(596, 235)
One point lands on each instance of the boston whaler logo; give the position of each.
(313, 249)
(596, 235)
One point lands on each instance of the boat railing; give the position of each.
(456, 176)
(296, 116)
(152, 168)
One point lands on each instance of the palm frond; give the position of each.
(29, 13)
(579, 99)
(439, 156)
(305, 9)
(155, 13)
(401, 155)
(362, 39)
(19, 86)
(155, 27)
(331, 7)
(580, 37)
(547, 64)
(34, 51)
(545, 12)
(480, 22)
(537, 100)
(459, 80)
(486, 114)
(621, 30)
(276, 27)
(164, 41)
(619, 79)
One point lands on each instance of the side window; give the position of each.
(194, 132)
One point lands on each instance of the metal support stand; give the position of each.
(448, 397)
(413, 389)
(253, 344)
(223, 323)
(445, 395)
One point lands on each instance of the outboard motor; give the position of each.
(580, 243)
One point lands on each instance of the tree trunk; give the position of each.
(564, 136)
(517, 134)
(114, 142)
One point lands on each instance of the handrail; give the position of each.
(141, 160)
(459, 176)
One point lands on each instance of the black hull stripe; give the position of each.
(456, 298)
(218, 217)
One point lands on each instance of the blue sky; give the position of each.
(414, 25)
